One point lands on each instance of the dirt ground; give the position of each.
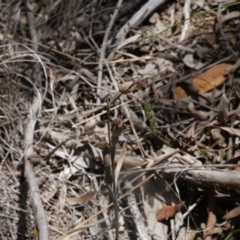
(120, 119)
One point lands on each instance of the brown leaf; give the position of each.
(212, 78)
(82, 199)
(207, 81)
(168, 211)
(233, 213)
(237, 169)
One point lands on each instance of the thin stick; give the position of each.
(104, 112)
(33, 115)
(103, 50)
(186, 10)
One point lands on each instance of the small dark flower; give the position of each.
(140, 83)
(131, 86)
(117, 125)
(116, 130)
(118, 121)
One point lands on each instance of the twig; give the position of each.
(103, 49)
(102, 113)
(29, 175)
(178, 46)
(186, 11)
(138, 18)
(35, 108)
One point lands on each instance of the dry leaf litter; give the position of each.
(179, 172)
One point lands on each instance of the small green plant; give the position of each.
(148, 108)
(169, 142)
(35, 234)
(231, 234)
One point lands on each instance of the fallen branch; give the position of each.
(138, 18)
(203, 177)
(29, 175)
(34, 111)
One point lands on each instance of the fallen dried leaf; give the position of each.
(168, 211)
(218, 137)
(233, 213)
(191, 62)
(202, 115)
(154, 18)
(82, 199)
(206, 81)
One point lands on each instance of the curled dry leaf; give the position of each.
(202, 115)
(191, 62)
(154, 18)
(217, 136)
(168, 211)
(233, 213)
(207, 81)
(82, 199)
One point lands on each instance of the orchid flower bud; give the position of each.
(127, 87)
(131, 86)
(117, 130)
